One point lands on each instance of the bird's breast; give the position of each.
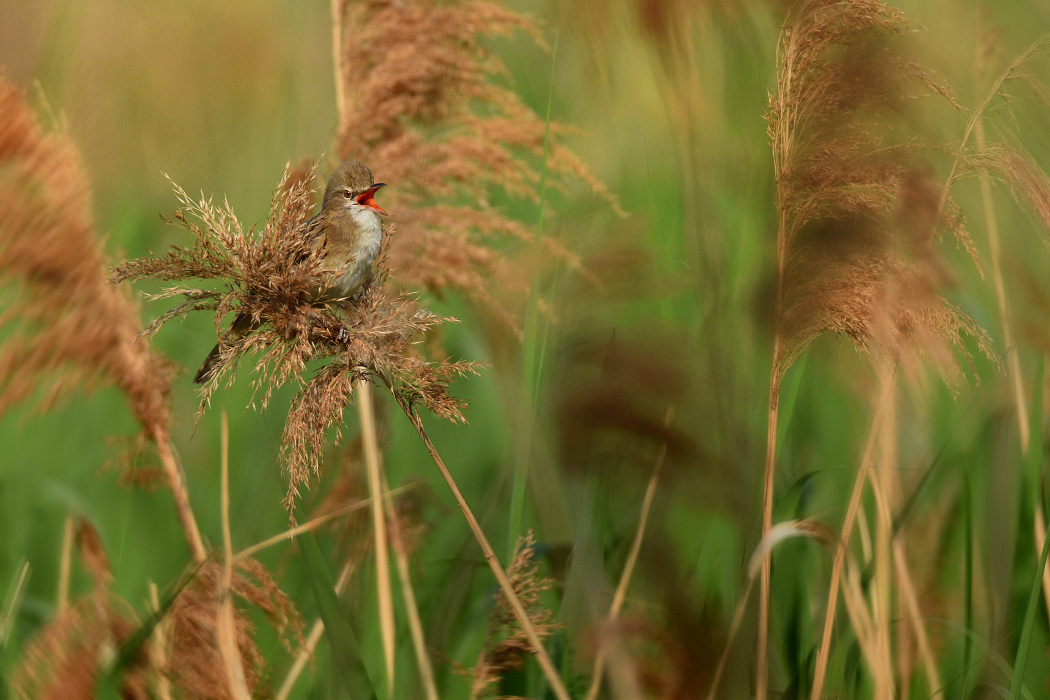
(351, 258)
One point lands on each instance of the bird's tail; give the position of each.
(242, 326)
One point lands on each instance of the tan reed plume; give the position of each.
(70, 328)
(858, 211)
(426, 105)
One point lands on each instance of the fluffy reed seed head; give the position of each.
(858, 212)
(67, 321)
(271, 276)
(69, 656)
(194, 663)
(513, 649)
(426, 105)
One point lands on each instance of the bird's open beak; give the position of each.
(365, 199)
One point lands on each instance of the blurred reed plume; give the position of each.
(69, 327)
(271, 277)
(69, 657)
(858, 213)
(65, 320)
(193, 660)
(506, 646)
(423, 101)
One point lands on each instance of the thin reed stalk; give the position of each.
(762, 672)
(882, 590)
(520, 614)
(734, 627)
(310, 525)
(177, 485)
(911, 604)
(632, 559)
(820, 673)
(408, 594)
(338, 17)
(1013, 362)
(366, 416)
(161, 642)
(225, 625)
(978, 115)
(64, 565)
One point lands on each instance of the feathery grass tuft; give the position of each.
(271, 277)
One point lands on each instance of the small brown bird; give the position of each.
(346, 237)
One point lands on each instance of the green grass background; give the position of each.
(220, 95)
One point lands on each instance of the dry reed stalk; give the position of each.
(519, 611)
(225, 627)
(366, 416)
(64, 563)
(779, 533)
(71, 328)
(857, 217)
(632, 558)
(908, 599)
(882, 408)
(506, 646)
(160, 643)
(314, 523)
(307, 648)
(408, 594)
(882, 589)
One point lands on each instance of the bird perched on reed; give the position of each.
(345, 238)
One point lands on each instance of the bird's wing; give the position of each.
(316, 228)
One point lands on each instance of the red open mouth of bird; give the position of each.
(366, 198)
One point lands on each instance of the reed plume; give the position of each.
(506, 646)
(271, 276)
(68, 327)
(858, 212)
(72, 653)
(194, 663)
(425, 102)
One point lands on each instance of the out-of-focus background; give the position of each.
(667, 102)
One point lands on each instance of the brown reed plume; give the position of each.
(68, 326)
(500, 654)
(194, 663)
(858, 215)
(68, 657)
(271, 276)
(423, 101)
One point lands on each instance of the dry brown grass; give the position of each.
(68, 326)
(858, 212)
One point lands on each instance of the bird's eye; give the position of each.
(347, 194)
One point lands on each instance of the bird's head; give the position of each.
(352, 185)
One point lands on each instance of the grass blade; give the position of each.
(346, 654)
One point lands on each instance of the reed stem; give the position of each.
(843, 545)
(542, 657)
(366, 415)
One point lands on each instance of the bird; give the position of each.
(346, 236)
